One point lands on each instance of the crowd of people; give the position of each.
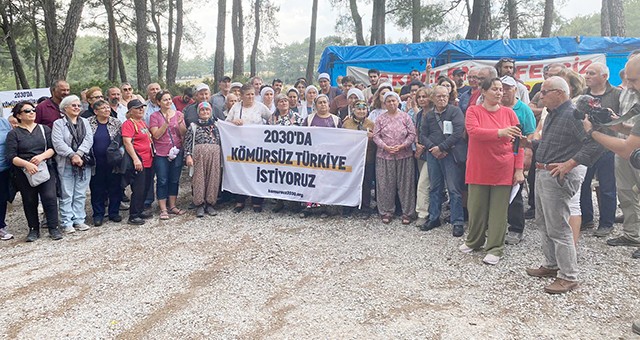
(435, 145)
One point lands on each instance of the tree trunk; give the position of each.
(485, 21)
(605, 25)
(121, 66)
(548, 18)
(512, 14)
(616, 18)
(39, 55)
(416, 23)
(172, 63)
(156, 24)
(218, 63)
(60, 43)
(474, 20)
(142, 45)
(256, 38)
(357, 20)
(7, 29)
(169, 39)
(237, 23)
(112, 41)
(312, 42)
(377, 22)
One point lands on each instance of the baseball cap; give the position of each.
(202, 86)
(458, 71)
(134, 104)
(508, 80)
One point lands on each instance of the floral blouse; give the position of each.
(293, 118)
(205, 133)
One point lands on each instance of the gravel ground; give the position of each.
(271, 275)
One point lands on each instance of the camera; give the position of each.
(588, 106)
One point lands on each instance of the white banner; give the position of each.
(11, 98)
(306, 164)
(528, 71)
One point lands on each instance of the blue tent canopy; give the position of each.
(402, 58)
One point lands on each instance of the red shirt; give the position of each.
(490, 160)
(475, 94)
(47, 112)
(180, 104)
(139, 135)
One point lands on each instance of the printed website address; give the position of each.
(289, 193)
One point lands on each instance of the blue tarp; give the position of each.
(402, 58)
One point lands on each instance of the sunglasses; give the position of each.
(507, 60)
(75, 105)
(128, 89)
(28, 111)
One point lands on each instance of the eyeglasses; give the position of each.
(75, 105)
(97, 97)
(28, 111)
(442, 96)
(544, 92)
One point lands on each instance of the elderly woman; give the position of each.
(450, 85)
(72, 139)
(105, 183)
(267, 93)
(137, 142)
(284, 115)
(310, 95)
(377, 103)
(394, 134)
(248, 112)
(93, 95)
(29, 145)
(202, 150)
(353, 95)
(358, 120)
(424, 104)
(492, 169)
(167, 127)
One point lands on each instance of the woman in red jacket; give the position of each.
(492, 169)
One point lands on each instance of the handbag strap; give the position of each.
(44, 137)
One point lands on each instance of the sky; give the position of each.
(295, 15)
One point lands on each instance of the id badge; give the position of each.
(447, 127)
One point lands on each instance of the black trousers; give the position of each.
(140, 185)
(242, 198)
(515, 214)
(105, 184)
(46, 193)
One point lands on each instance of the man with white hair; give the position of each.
(598, 86)
(561, 158)
(202, 94)
(626, 176)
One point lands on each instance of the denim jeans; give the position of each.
(441, 172)
(605, 169)
(73, 195)
(167, 175)
(5, 177)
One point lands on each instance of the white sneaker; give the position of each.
(5, 235)
(69, 229)
(465, 249)
(81, 227)
(491, 259)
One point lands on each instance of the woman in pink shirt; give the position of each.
(492, 169)
(394, 133)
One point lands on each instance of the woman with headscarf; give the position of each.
(358, 120)
(295, 104)
(353, 96)
(105, 183)
(72, 139)
(492, 170)
(394, 134)
(267, 93)
(28, 145)
(202, 150)
(310, 95)
(248, 112)
(377, 103)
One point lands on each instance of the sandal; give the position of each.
(176, 211)
(406, 220)
(164, 215)
(386, 219)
